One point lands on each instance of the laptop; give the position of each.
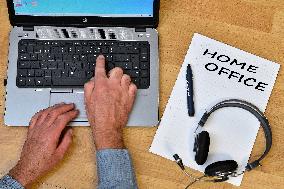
(53, 49)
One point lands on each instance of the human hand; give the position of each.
(43, 148)
(109, 101)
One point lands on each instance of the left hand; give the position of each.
(43, 148)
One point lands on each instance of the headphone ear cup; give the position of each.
(221, 167)
(202, 143)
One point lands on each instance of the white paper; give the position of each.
(232, 130)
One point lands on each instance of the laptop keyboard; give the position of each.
(61, 64)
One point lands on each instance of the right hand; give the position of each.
(109, 100)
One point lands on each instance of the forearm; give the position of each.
(8, 182)
(115, 169)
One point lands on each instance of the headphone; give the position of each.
(222, 170)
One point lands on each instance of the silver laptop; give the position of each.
(53, 49)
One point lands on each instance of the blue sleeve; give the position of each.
(115, 169)
(8, 182)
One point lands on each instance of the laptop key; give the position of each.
(124, 65)
(58, 57)
(67, 57)
(33, 56)
(69, 81)
(105, 50)
(35, 65)
(144, 73)
(39, 81)
(30, 49)
(39, 73)
(90, 74)
(132, 50)
(132, 73)
(22, 49)
(109, 58)
(144, 50)
(144, 65)
(22, 72)
(121, 58)
(32, 43)
(47, 81)
(24, 56)
(135, 81)
(42, 57)
(52, 65)
(21, 81)
(47, 73)
(43, 65)
(38, 49)
(24, 42)
(30, 81)
(56, 73)
(144, 57)
(51, 57)
(64, 73)
(144, 83)
(31, 73)
(24, 64)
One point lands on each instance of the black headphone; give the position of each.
(222, 170)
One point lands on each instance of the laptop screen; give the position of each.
(100, 8)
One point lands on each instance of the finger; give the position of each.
(100, 71)
(44, 113)
(64, 145)
(88, 89)
(34, 120)
(57, 111)
(132, 95)
(116, 74)
(61, 122)
(125, 81)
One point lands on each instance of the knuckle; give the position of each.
(34, 117)
(44, 113)
(126, 77)
(117, 70)
(62, 118)
(88, 84)
(133, 86)
(53, 113)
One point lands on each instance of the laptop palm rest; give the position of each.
(76, 97)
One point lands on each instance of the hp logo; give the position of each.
(85, 20)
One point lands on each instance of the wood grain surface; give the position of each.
(256, 26)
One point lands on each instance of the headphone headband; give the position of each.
(253, 110)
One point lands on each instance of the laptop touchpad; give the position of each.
(76, 98)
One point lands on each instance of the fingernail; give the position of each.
(101, 57)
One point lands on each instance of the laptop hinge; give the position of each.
(28, 28)
(140, 29)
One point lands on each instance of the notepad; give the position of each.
(220, 72)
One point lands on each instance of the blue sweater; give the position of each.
(114, 171)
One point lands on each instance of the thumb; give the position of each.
(64, 145)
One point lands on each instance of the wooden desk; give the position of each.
(256, 26)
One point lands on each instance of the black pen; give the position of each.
(189, 89)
